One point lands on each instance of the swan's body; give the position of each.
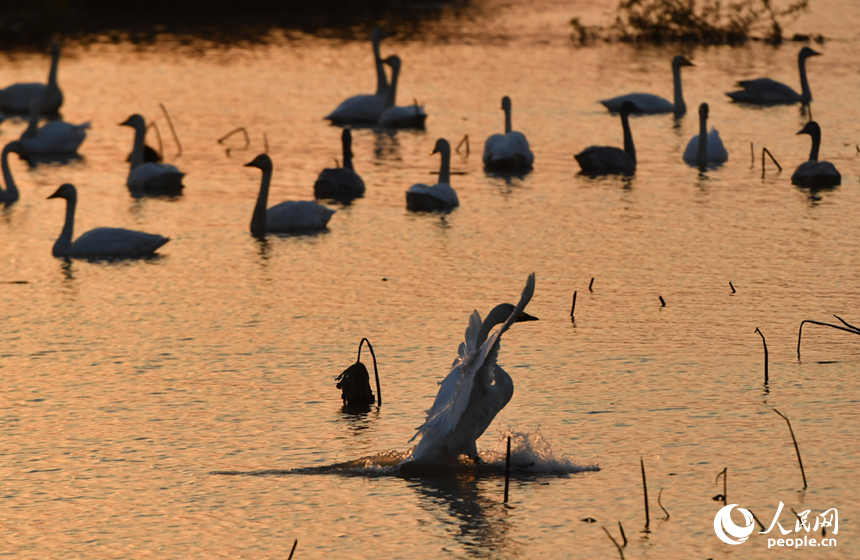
(155, 178)
(709, 152)
(10, 194)
(509, 151)
(441, 196)
(55, 138)
(16, 99)
(340, 183)
(653, 104)
(475, 390)
(410, 116)
(365, 109)
(101, 242)
(286, 217)
(814, 173)
(603, 160)
(765, 91)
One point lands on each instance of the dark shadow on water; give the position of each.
(814, 195)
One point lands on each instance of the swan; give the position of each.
(441, 196)
(158, 178)
(602, 160)
(101, 242)
(711, 149)
(55, 138)
(475, 390)
(410, 116)
(15, 99)
(340, 183)
(508, 151)
(10, 195)
(765, 91)
(287, 217)
(653, 104)
(814, 173)
(365, 109)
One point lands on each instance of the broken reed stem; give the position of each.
(660, 495)
(799, 461)
(760, 524)
(725, 474)
(295, 542)
(662, 301)
(375, 369)
(507, 468)
(752, 156)
(465, 141)
(623, 536)
(573, 305)
(850, 326)
(645, 490)
(241, 129)
(852, 329)
(608, 534)
(732, 287)
(766, 151)
(590, 284)
(172, 130)
(765, 353)
(265, 143)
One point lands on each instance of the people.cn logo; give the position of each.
(726, 528)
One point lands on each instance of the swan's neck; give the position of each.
(496, 317)
(805, 93)
(816, 143)
(680, 106)
(11, 190)
(445, 166)
(702, 151)
(392, 90)
(52, 75)
(137, 150)
(381, 81)
(33, 125)
(63, 246)
(507, 120)
(347, 154)
(628, 137)
(258, 220)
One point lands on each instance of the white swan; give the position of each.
(9, 195)
(509, 151)
(15, 99)
(340, 183)
(814, 173)
(365, 109)
(156, 178)
(101, 242)
(410, 116)
(710, 150)
(441, 196)
(765, 91)
(55, 138)
(602, 160)
(286, 217)
(475, 390)
(648, 103)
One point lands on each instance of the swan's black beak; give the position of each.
(525, 317)
(55, 195)
(124, 123)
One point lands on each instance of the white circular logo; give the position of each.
(723, 524)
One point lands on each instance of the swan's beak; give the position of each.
(124, 123)
(525, 317)
(55, 195)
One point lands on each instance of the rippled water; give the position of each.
(126, 385)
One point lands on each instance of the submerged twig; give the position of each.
(465, 141)
(662, 301)
(764, 343)
(851, 329)
(241, 129)
(660, 495)
(573, 305)
(752, 156)
(732, 287)
(608, 534)
(375, 369)
(725, 474)
(760, 524)
(172, 130)
(295, 542)
(590, 284)
(507, 468)
(799, 461)
(265, 143)
(766, 151)
(645, 490)
(623, 536)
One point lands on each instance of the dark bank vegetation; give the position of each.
(33, 23)
(707, 22)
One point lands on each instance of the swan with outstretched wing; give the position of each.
(475, 390)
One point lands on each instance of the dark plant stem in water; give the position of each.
(725, 474)
(760, 524)
(465, 141)
(295, 543)
(732, 287)
(662, 302)
(623, 536)
(660, 503)
(851, 329)
(766, 151)
(765, 353)
(573, 305)
(752, 156)
(507, 468)
(799, 461)
(172, 130)
(590, 284)
(613, 542)
(375, 369)
(645, 490)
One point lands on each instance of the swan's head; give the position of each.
(628, 107)
(55, 48)
(703, 110)
(393, 61)
(377, 35)
(67, 191)
(506, 103)
(806, 52)
(681, 60)
(501, 312)
(135, 121)
(442, 145)
(15, 147)
(262, 161)
(811, 128)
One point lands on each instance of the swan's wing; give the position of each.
(409, 116)
(116, 242)
(816, 174)
(511, 148)
(764, 90)
(525, 298)
(605, 159)
(15, 99)
(358, 109)
(56, 137)
(690, 150)
(300, 215)
(716, 151)
(440, 191)
(644, 102)
(142, 176)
